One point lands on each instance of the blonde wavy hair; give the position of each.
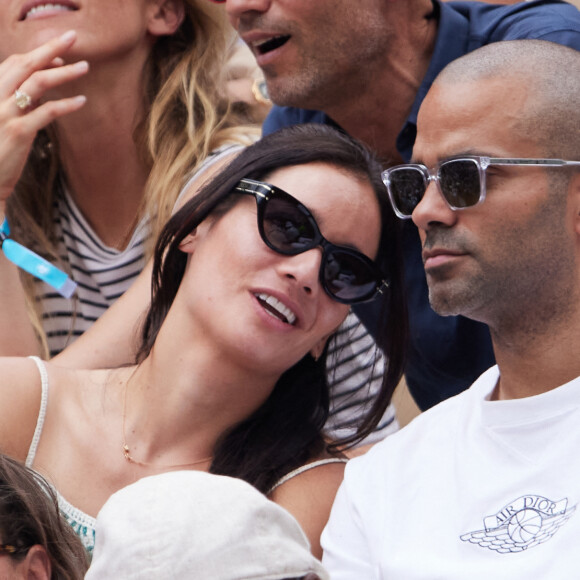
(188, 115)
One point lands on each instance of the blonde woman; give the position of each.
(106, 107)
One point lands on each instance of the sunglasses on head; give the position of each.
(287, 227)
(461, 180)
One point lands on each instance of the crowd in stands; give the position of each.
(230, 230)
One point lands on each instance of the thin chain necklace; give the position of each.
(127, 453)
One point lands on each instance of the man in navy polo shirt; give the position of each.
(366, 66)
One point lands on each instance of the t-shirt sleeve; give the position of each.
(346, 553)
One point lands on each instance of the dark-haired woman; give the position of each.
(35, 540)
(251, 278)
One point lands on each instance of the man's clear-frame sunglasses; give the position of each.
(460, 180)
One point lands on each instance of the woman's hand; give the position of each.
(32, 74)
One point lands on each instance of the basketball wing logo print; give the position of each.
(522, 524)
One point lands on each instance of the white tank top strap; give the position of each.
(41, 414)
(304, 468)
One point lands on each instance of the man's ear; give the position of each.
(36, 564)
(165, 17)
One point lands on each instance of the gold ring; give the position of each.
(23, 100)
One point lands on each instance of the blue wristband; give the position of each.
(32, 263)
(4, 229)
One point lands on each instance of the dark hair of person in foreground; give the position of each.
(30, 518)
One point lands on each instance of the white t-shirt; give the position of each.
(471, 489)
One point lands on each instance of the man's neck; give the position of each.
(377, 113)
(534, 364)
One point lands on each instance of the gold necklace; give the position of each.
(127, 453)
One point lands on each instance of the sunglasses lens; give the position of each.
(347, 277)
(407, 186)
(289, 228)
(460, 183)
(286, 226)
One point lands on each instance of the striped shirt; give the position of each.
(102, 274)
(355, 367)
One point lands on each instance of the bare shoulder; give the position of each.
(309, 495)
(20, 396)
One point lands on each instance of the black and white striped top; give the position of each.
(102, 274)
(355, 367)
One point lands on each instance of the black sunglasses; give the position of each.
(287, 227)
(461, 180)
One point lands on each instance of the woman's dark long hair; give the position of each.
(29, 516)
(286, 431)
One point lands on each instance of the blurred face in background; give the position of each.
(312, 53)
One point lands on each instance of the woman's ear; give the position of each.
(187, 245)
(36, 564)
(191, 241)
(165, 17)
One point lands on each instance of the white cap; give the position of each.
(192, 524)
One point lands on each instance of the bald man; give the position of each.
(486, 484)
